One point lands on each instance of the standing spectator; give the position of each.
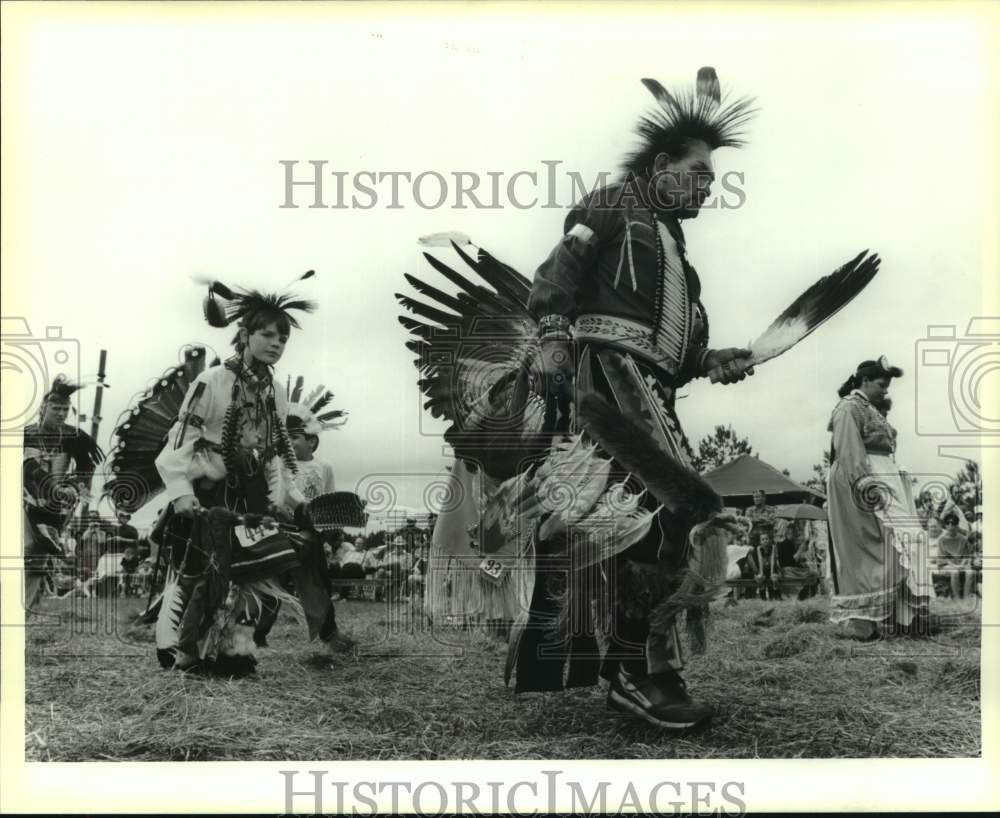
(413, 586)
(69, 545)
(145, 547)
(412, 536)
(956, 557)
(819, 553)
(762, 516)
(130, 565)
(91, 548)
(123, 535)
(144, 576)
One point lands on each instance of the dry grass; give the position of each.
(785, 684)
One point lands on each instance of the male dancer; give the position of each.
(618, 308)
(58, 467)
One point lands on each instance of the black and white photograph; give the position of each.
(572, 398)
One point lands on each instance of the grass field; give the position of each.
(785, 684)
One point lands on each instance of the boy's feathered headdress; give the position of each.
(312, 414)
(223, 305)
(698, 114)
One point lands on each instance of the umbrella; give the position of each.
(800, 511)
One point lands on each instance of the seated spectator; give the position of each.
(415, 582)
(144, 575)
(396, 565)
(736, 554)
(372, 560)
(956, 557)
(762, 561)
(791, 558)
(349, 558)
(737, 567)
(934, 532)
(104, 582)
(372, 566)
(61, 577)
(818, 554)
(976, 550)
(348, 562)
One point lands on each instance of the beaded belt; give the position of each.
(630, 336)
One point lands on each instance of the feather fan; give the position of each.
(817, 304)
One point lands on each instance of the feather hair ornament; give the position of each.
(224, 305)
(698, 114)
(62, 388)
(445, 239)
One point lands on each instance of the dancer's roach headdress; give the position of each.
(314, 413)
(62, 389)
(686, 116)
(252, 308)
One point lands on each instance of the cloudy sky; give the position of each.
(144, 145)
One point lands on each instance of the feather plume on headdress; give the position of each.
(224, 306)
(62, 388)
(683, 117)
(313, 414)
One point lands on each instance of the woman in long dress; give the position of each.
(880, 563)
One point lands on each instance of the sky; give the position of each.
(144, 146)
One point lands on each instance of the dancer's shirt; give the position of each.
(315, 477)
(54, 457)
(605, 276)
(193, 449)
(859, 429)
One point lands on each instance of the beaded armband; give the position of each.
(700, 363)
(554, 327)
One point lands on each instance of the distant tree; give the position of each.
(821, 471)
(719, 448)
(967, 490)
